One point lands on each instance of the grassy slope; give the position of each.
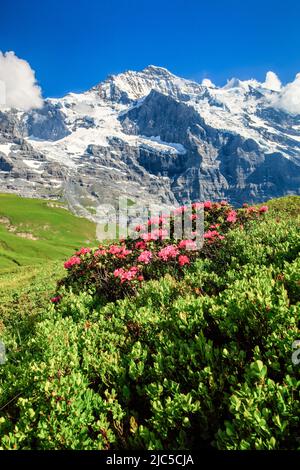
(30, 268)
(58, 232)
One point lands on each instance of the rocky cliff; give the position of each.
(153, 137)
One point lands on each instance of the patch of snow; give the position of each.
(32, 164)
(156, 143)
(5, 148)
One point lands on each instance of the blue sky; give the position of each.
(73, 45)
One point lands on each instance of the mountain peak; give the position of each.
(157, 70)
(134, 85)
(241, 84)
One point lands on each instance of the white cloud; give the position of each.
(289, 97)
(21, 89)
(207, 82)
(272, 82)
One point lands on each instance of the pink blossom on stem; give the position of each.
(139, 228)
(207, 205)
(168, 252)
(231, 217)
(145, 257)
(140, 245)
(83, 251)
(183, 259)
(187, 245)
(74, 260)
(197, 205)
(99, 253)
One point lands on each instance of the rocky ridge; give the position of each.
(152, 137)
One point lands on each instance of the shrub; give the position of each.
(200, 357)
(119, 269)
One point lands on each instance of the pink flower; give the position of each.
(140, 228)
(231, 217)
(207, 205)
(194, 217)
(145, 257)
(183, 259)
(83, 251)
(148, 237)
(140, 245)
(99, 252)
(263, 209)
(114, 249)
(55, 300)
(211, 234)
(163, 218)
(179, 210)
(187, 245)
(126, 275)
(224, 203)
(197, 205)
(153, 221)
(123, 253)
(72, 261)
(118, 272)
(168, 252)
(119, 251)
(159, 233)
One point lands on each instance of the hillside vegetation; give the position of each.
(34, 231)
(187, 350)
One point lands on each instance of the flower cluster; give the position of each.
(145, 257)
(187, 244)
(128, 275)
(232, 217)
(74, 260)
(119, 251)
(167, 253)
(183, 259)
(83, 251)
(212, 235)
(114, 269)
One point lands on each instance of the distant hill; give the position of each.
(35, 230)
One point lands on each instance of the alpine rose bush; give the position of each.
(118, 269)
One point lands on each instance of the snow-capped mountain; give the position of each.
(151, 135)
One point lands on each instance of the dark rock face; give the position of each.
(11, 129)
(86, 123)
(156, 138)
(4, 164)
(161, 115)
(47, 123)
(216, 164)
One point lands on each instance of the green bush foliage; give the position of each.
(197, 360)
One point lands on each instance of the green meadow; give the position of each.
(34, 232)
